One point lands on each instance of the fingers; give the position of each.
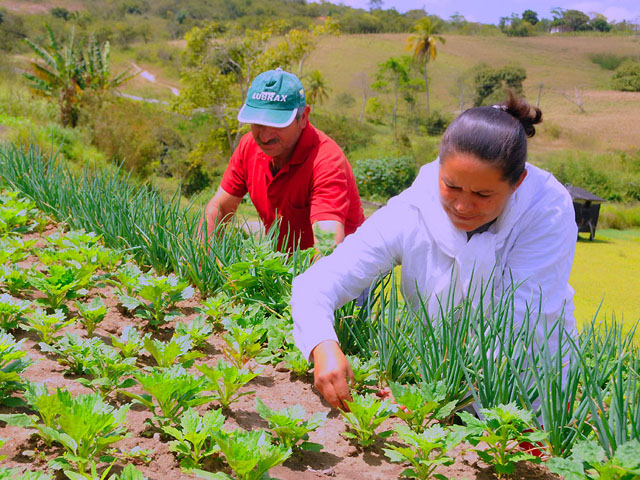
(334, 389)
(331, 372)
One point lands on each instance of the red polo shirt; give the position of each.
(316, 184)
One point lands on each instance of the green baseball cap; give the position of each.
(274, 99)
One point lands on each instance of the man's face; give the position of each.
(279, 143)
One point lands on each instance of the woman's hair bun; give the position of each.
(527, 114)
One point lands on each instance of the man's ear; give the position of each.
(305, 116)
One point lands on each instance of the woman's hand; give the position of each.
(331, 371)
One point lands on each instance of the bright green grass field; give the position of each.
(607, 270)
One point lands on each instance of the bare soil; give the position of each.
(276, 387)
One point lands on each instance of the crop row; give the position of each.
(587, 391)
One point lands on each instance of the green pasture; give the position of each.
(607, 270)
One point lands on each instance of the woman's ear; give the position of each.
(519, 182)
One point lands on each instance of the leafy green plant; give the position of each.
(504, 428)
(15, 474)
(167, 353)
(85, 426)
(194, 439)
(589, 462)
(14, 249)
(243, 343)
(225, 381)
(15, 279)
(365, 372)
(130, 342)
(46, 325)
(169, 392)
(91, 314)
(366, 413)
(12, 311)
(126, 279)
(17, 215)
(295, 361)
(13, 362)
(425, 451)
(62, 283)
(249, 454)
(159, 294)
(107, 370)
(74, 352)
(422, 403)
(215, 308)
(198, 330)
(289, 426)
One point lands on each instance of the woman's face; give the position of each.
(472, 192)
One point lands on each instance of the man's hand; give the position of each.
(219, 209)
(331, 372)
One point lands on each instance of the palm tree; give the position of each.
(69, 71)
(60, 77)
(423, 45)
(317, 90)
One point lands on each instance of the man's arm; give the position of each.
(334, 226)
(220, 208)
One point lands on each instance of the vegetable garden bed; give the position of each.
(104, 364)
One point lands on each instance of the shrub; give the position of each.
(436, 123)
(384, 177)
(346, 132)
(627, 77)
(607, 61)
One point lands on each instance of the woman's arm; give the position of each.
(333, 281)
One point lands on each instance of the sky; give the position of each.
(490, 11)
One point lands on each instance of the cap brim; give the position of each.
(265, 116)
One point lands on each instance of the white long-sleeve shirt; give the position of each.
(531, 243)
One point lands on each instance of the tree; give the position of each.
(423, 45)
(375, 4)
(70, 71)
(599, 22)
(219, 65)
(316, 89)
(361, 82)
(530, 16)
(574, 19)
(514, 26)
(490, 83)
(394, 72)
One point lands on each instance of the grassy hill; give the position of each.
(560, 63)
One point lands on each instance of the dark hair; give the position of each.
(496, 135)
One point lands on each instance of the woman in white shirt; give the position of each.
(478, 212)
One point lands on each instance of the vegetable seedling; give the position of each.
(425, 451)
(91, 314)
(296, 362)
(13, 362)
(589, 462)
(169, 392)
(249, 454)
(199, 331)
(159, 295)
(62, 283)
(504, 428)
(74, 352)
(130, 342)
(225, 381)
(420, 404)
(46, 325)
(243, 343)
(366, 413)
(15, 280)
(289, 426)
(167, 353)
(194, 439)
(12, 311)
(365, 373)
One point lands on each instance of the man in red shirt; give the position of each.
(294, 173)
